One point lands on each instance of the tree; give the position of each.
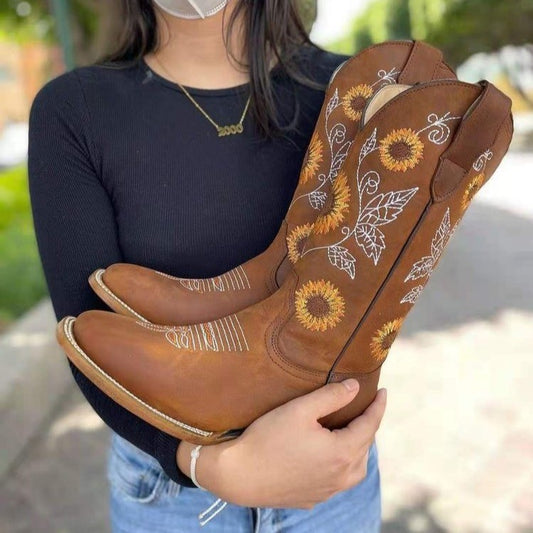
(471, 26)
(459, 27)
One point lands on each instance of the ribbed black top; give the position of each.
(123, 168)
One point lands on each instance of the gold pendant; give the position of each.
(233, 129)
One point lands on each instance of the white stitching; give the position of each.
(67, 328)
(100, 281)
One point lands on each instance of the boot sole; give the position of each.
(129, 401)
(98, 285)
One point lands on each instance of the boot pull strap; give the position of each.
(477, 133)
(422, 64)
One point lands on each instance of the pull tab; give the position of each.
(478, 132)
(422, 64)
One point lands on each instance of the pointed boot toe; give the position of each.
(161, 298)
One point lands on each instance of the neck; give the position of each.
(193, 52)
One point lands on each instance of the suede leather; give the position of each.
(342, 303)
(157, 297)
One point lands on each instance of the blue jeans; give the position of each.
(143, 499)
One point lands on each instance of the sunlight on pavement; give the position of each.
(457, 436)
(511, 186)
(83, 418)
(21, 340)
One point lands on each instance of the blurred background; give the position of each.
(456, 444)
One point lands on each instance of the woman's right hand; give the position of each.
(287, 459)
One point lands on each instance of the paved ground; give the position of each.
(456, 445)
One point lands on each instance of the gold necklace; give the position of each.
(230, 129)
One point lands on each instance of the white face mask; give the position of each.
(191, 9)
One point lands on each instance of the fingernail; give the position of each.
(350, 384)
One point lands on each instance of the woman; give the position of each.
(126, 165)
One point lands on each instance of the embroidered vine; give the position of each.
(336, 135)
(478, 180)
(377, 209)
(481, 162)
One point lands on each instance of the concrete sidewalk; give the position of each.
(456, 444)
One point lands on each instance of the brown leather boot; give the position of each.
(410, 174)
(154, 296)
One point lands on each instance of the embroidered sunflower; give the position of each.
(384, 337)
(313, 158)
(339, 202)
(401, 150)
(471, 189)
(319, 305)
(354, 101)
(296, 241)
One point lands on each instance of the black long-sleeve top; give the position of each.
(123, 168)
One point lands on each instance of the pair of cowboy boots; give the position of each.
(399, 150)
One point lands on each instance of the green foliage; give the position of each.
(21, 26)
(22, 282)
(369, 28)
(399, 25)
(307, 10)
(482, 26)
(86, 17)
(460, 27)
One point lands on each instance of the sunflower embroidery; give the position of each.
(296, 241)
(401, 150)
(319, 305)
(354, 101)
(471, 189)
(339, 202)
(383, 339)
(313, 158)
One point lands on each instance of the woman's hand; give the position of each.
(286, 458)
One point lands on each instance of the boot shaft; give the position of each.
(408, 178)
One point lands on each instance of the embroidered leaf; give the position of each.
(317, 199)
(441, 236)
(371, 240)
(384, 208)
(340, 257)
(421, 268)
(452, 231)
(338, 159)
(332, 104)
(412, 296)
(369, 145)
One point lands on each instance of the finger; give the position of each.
(363, 428)
(368, 422)
(327, 399)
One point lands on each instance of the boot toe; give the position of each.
(105, 337)
(128, 281)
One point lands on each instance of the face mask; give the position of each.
(191, 9)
